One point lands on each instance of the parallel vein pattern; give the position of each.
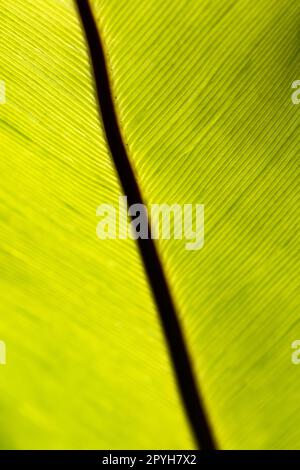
(87, 365)
(168, 315)
(203, 92)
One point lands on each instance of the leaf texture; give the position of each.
(87, 365)
(203, 91)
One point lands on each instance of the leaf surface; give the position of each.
(203, 91)
(87, 365)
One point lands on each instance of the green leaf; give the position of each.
(87, 365)
(202, 91)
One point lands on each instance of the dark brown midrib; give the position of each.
(182, 365)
